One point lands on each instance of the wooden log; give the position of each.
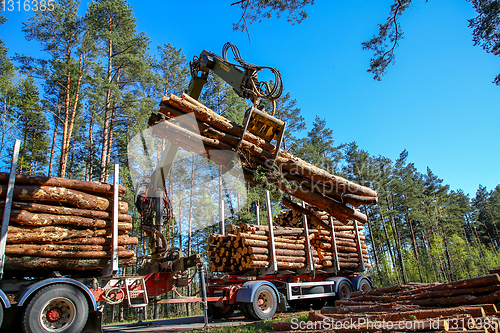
(213, 119)
(263, 257)
(469, 283)
(313, 219)
(473, 311)
(26, 251)
(63, 195)
(25, 217)
(42, 264)
(61, 210)
(351, 199)
(459, 300)
(81, 185)
(430, 294)
(122, 240)
(48, 234)
(278, 245)
(281, 265)
(316, 199)
(283, 252)
(393, 307)
(289, 161)
(59, 247)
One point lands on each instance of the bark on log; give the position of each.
(283, 252)
(60, 210)
(122, 240)
(278, 245)
(42, 264)
(34, 219)
(291, 162)
(48, 234)
(429, 294)
(61, 247)
(24, 251)
(368, 308)
(63, 195)
(81, 185)
(311, 217)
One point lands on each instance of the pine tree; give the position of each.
(60, 32)
(32, 128)
(318, 147)
(172, 68)
(8, 96)
(111, 27)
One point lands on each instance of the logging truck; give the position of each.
(68, 301)
(42, 292)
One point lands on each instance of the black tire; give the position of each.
(344, 290)
(60, 308)
(219, 313)
(365, 286)
(264, 303)
(243, 307)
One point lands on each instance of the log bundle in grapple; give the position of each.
(63, 224)
(210, 131)
(246, 247)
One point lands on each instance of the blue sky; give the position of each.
(437, 101)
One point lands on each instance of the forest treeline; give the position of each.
(76, 109)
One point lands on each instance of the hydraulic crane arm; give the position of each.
(243, 78)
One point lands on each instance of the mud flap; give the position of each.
(94, 323)
(281, 304)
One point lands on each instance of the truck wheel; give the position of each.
(365, 286)
(58, 308)
(264, 303)
(243, 309)
(343, 290)
(219, 313)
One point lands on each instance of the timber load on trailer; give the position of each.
(64, 225)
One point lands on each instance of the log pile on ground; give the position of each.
(208, 131)
(467, 305)
(495, 270)
(63, 224)
(246, 247)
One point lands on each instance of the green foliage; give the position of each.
(32, 128)
(256, 10)
(172, 68)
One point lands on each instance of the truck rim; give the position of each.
(58, 314)
(265, 301)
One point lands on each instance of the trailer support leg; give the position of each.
(8, 202)
(334, 248)
(203, 293)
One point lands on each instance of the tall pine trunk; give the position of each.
(107, 109)
(399, 247)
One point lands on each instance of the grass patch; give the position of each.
(259, 326)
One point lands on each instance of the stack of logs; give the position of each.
(246, 247)
(206, 131)
(63, 224)
(467, 305)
